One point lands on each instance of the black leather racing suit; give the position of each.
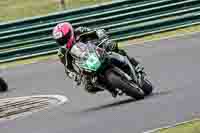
(85, 34)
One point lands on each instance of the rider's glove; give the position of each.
(61, 52)
(73, 75)
(101, 33)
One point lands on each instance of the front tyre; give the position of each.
(126, 86)
(147, 87)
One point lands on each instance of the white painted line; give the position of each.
(171, 126)
(62, 99)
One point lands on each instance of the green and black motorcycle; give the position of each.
(3, 85)
(92, 61)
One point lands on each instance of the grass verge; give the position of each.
(188, 127)
(18, 9)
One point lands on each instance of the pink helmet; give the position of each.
(63, 34)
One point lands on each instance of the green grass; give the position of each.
(19, 9)
(190, 127)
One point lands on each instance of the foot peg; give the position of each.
(117, 92)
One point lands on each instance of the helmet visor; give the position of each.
(65, 39)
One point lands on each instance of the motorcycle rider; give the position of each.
(66, 36)
(3, 85)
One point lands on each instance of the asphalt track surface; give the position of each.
(173, 66)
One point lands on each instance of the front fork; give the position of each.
(137, 78)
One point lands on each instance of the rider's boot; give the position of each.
(138, 67)
(133, 61)
(91, 89)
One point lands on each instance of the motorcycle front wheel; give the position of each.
(130, 89)
(147, 87)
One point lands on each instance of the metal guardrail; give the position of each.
(123, 21)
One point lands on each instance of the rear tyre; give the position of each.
(3, 85)
(147, 87)
(128, 88)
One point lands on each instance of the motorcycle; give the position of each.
(3, 85)
(93, 62)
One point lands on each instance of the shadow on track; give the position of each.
(125, 101)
